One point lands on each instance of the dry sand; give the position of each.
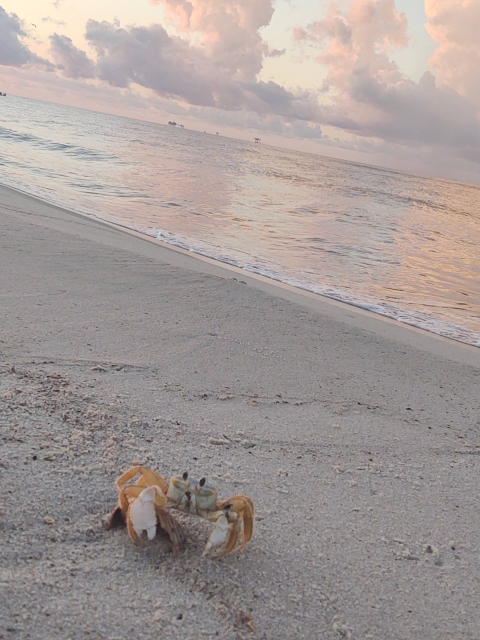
(357, 438)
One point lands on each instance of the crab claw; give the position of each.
(142, 512)
(220, 533)
(240, 514)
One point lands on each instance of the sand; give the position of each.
(357, 438)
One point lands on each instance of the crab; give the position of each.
(149, 500)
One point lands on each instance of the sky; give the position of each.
(393, 83)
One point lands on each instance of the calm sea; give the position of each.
(402, 246)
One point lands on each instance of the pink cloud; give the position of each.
(455, 25)
(367, 93)
(228, 31)
(174, 68)
(360, 37)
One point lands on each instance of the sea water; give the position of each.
(402, 246)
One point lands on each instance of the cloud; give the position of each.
(13, 52)
(359, 38)
(369, 96)
(455, 25)
(27, 82)
(69, 59)
(148, 56)
(196, 74)
(304, 130)
(228, 31)
(414, 113)
(214, 64)
(59, 23)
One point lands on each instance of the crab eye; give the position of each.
(185, 475)
(202, 482)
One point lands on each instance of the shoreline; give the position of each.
(357, 440)
(342, 311)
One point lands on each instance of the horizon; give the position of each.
(267, 144)
(386, 83)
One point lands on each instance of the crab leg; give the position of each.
(172, 527)
(119, 514)
(132, 533)
(147, 478)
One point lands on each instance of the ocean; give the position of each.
(403, 246)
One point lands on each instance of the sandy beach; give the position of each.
(357, 438)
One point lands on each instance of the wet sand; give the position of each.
(357, 438)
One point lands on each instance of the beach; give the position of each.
(357, 438)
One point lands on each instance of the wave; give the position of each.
(82, 153)
(415, 319)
